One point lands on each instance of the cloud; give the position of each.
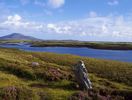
(13, 20)
(113, 2)
(60, 29)
(16, 23)
(56, 3)
(106, 26)
(99, 26)
(104, 29)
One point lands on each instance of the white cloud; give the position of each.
(13, 20)
(105, 26)
(51, 26)
(61, 29)
(104, 29)
(56, 3)
(16, 23)
(113, 2)
(83, 34)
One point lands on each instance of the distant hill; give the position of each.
(17, 36)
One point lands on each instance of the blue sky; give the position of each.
(90, 20)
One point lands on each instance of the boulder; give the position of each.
(81, 75)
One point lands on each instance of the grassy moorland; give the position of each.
(53, 78)
(94, 45)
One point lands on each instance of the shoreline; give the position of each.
(78, 44)
(91, 47)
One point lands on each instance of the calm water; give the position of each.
(120, 55)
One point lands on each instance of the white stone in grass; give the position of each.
(35, 64)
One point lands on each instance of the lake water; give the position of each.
(119, 55)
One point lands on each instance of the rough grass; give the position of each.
(113, 70)
(17, 73)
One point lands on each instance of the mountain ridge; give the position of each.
(17, 36)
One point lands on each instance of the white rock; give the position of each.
(35, 64)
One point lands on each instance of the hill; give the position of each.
(53, 78)
(17, 36)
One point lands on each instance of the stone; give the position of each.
(35, 64)
(81, 75)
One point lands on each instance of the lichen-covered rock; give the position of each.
(81, 75)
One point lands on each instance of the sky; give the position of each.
(85, 20)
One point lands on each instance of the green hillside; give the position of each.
(53, 78)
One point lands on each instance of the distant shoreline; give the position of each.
(102, 46)
(86, 47)
(77, 44)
